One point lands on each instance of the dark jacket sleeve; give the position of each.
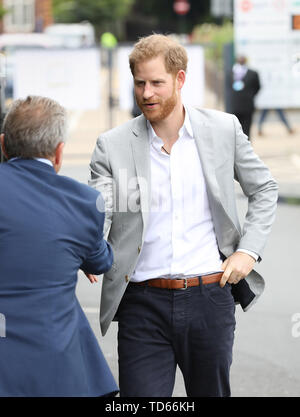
(100, 259)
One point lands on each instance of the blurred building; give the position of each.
(221, 8)
(26, 16)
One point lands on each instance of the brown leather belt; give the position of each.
(181, 284)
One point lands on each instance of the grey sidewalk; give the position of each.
(281, 153)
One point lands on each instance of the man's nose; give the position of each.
(147, 91)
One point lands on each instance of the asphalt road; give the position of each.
(266, 360)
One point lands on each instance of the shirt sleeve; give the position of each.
(249, 252)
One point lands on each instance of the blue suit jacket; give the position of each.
(49, 228)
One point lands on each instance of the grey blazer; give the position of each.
(120, 169)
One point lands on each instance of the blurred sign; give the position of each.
(265, 35)
(246, 5)
(296, 22)
(192, 91)
(70, 76)
(220, 8)
(181, 7)
(72, 35)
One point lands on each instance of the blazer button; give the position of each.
(127, 278)
(139, 249)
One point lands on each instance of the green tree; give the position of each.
(216, 36)
(140, 17)
(159, 16)
(3, 11)
(63, 11)
(103, 14)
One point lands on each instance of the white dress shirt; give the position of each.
(180, 238)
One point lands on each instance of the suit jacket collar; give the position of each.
(207, 150)
(139, 126)
(141, 154)
(31, 163)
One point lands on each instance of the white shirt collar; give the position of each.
(44, 160)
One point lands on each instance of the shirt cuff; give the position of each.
(249, 252)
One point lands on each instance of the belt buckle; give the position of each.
(185, 284)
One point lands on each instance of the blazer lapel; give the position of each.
(224, 226)
(206, 149)
(141, 155)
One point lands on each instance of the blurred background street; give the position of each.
(79, 57)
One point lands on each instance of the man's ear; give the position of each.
(180, 79)
(2, 145)
(58, 157)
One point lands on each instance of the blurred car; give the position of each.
(72, 35)
(11, 42)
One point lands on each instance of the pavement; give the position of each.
(281, 153)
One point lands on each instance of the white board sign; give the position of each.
(72, 77)
(265, 32)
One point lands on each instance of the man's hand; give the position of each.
(92, 278)
(236, 267)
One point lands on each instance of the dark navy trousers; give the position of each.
(160, 329)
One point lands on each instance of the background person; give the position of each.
(182, 259)
(245, 85)
(282, 117)
(49, 229)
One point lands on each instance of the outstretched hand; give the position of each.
(236, 267)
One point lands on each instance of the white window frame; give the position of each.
(16, 20)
